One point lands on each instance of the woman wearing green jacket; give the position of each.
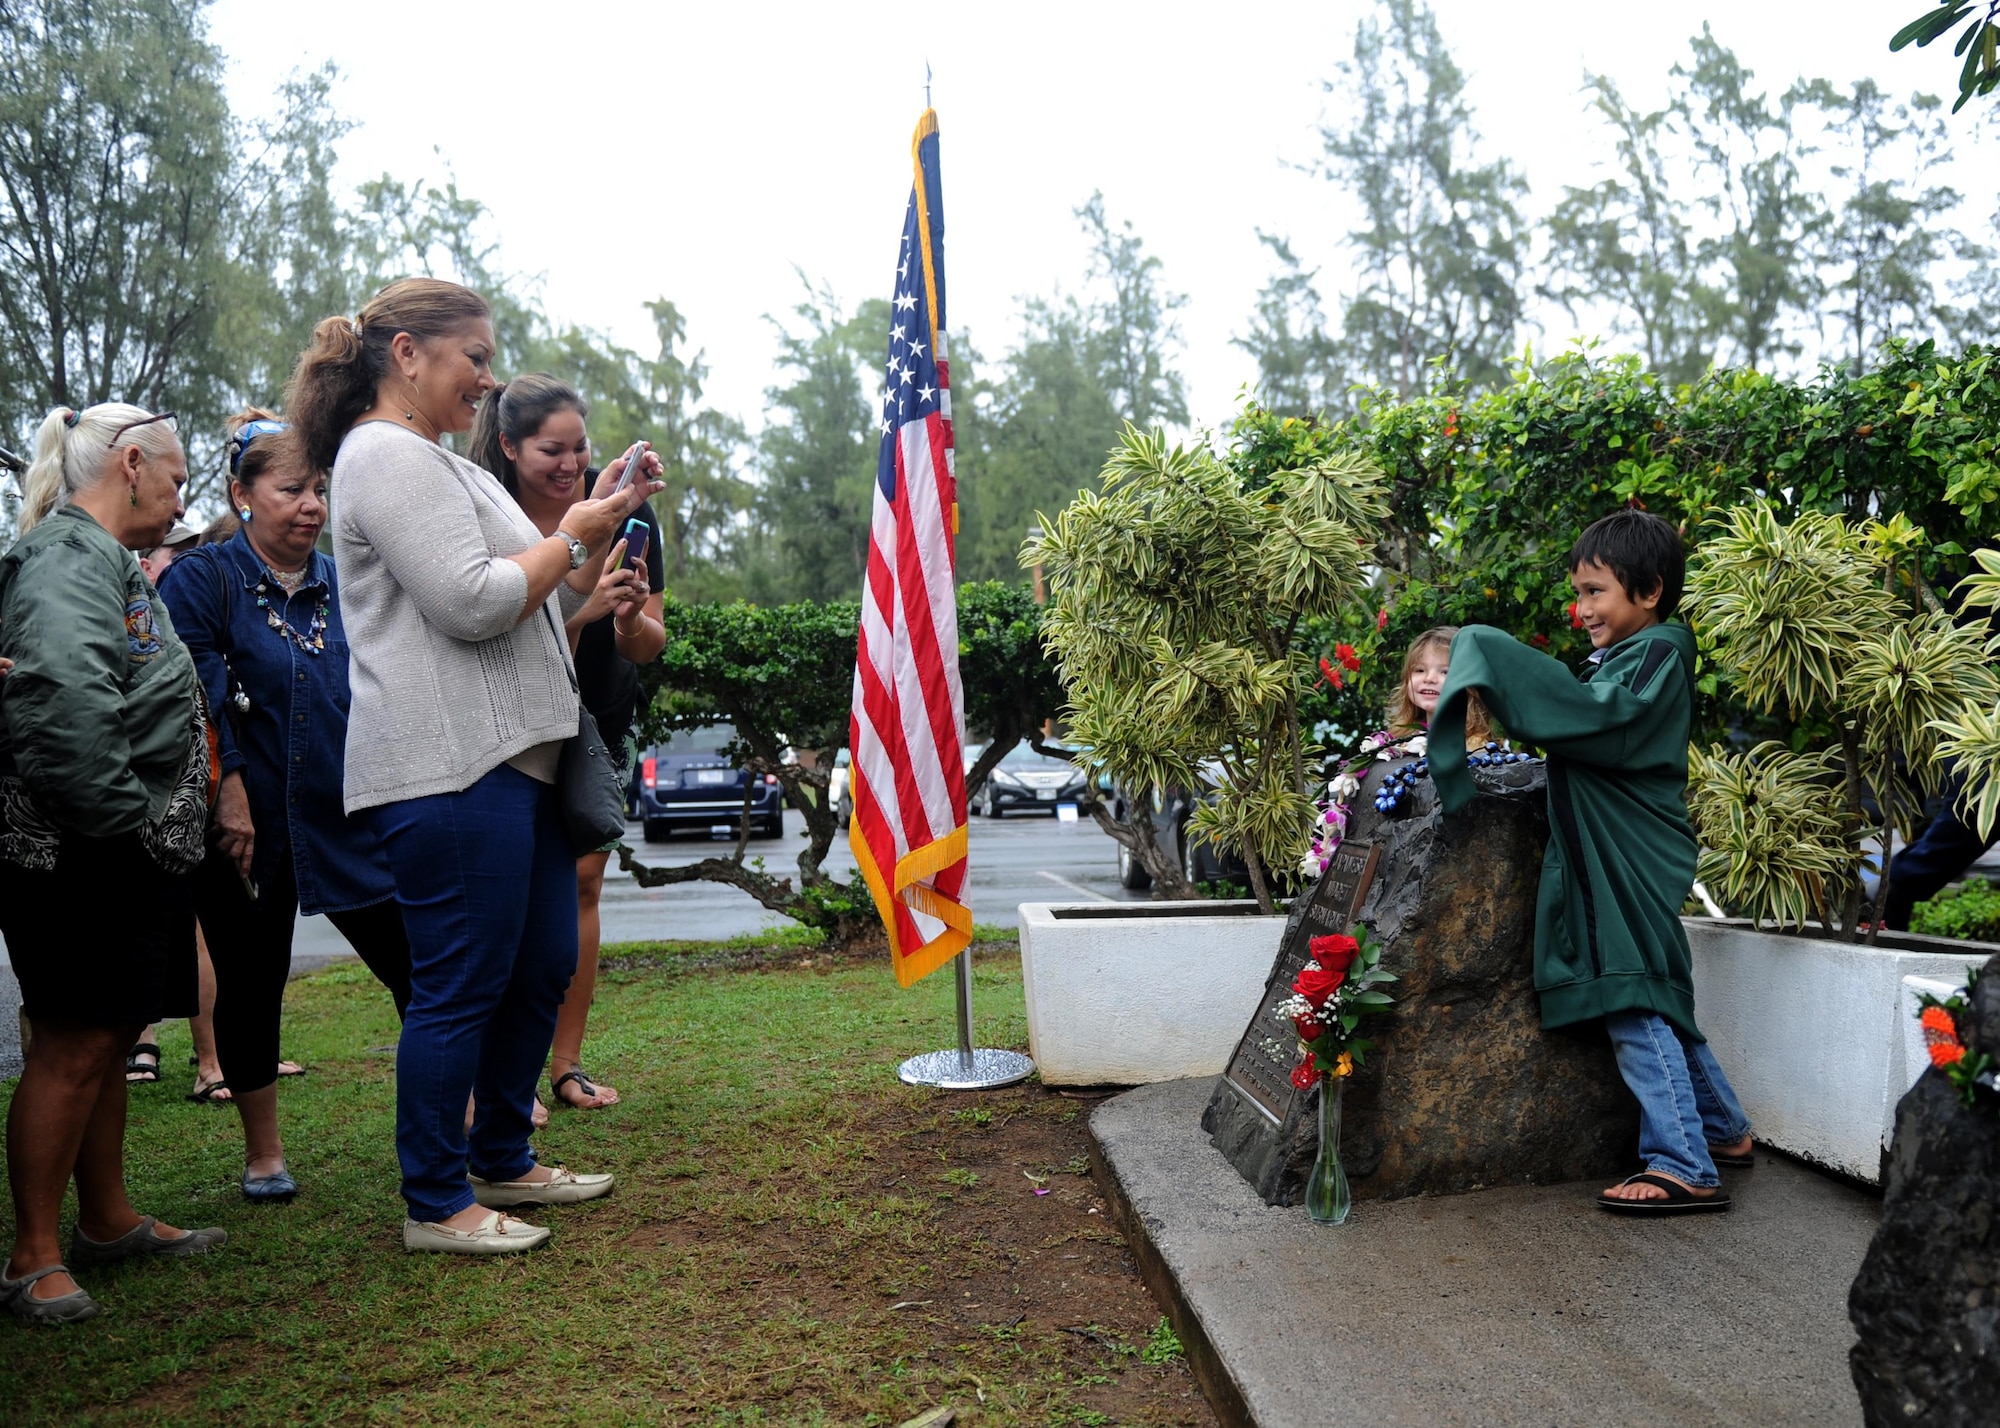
(105, 774)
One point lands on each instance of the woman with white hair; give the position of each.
(105, 776)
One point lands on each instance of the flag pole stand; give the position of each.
(968, 1068)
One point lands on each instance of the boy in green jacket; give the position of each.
(1621, 855)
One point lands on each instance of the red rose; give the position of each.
(1316, 983)
(1336, 953)
(1305, 1073)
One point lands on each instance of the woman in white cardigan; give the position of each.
(462, 698)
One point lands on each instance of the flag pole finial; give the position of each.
(927, 83)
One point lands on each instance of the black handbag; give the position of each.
(588, 793)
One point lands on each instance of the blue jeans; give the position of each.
(487, 886)
(1685, 1102)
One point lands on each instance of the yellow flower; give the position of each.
(1343, 1065)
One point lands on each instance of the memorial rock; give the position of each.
(1464, 1088)
(1926, 1305)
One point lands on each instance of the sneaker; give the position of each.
(19, 1298)
(563, 1187)
(496, 1234)
(140, 1239)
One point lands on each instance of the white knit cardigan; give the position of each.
(448, 680)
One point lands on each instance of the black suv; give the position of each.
(689, 782)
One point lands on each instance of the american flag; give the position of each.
(908, 730)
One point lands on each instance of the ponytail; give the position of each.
(72, 450)
(338, 377)
(516, 410)
(330, 388)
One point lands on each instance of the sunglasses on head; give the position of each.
(240, 439)
(143, 421)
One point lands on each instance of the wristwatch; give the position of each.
(578, 551)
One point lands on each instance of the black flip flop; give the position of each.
(1732, 1162)
(205, 1095)
(582, 1079)
(137, 1073)
(1680, 1200)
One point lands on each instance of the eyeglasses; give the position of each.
(143, 421)
(240, 439)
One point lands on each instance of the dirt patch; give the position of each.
(1010, 1295)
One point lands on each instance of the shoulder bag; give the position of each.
(587, 790)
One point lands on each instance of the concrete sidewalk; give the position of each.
(1503, 1307)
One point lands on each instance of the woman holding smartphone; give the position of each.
(530, 433)
(462, 699)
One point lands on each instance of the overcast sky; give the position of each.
(632, 150)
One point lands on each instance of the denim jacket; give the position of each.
(291, 742)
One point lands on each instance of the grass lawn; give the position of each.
(795, 1236)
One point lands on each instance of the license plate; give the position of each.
(714, 775)
(1046, 795)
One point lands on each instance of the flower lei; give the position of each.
(1331, 994)
(1331, 826)
(1948, 1053)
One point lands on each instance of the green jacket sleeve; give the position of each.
(64, 704)
(1541, 702)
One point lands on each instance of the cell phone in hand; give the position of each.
(637, 534)
(632, 459)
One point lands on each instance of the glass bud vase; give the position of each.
(1328, 1200)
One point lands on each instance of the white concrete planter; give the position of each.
(1820, 1037)
(1127, 993)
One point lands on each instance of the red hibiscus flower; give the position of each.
(1336, 952)
(1346, 655)
(1382, 618)
(1305, 1073)
(1328, 674)
(1540, 642)
(1575, 620)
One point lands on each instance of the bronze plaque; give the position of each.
(1261, 1067)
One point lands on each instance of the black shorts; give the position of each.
(105, 938)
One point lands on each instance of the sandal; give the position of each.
(583, 1081)
(1680, 1200)
(215, 1093)
(1732, 1162)
(290, 1068)
(142, 1073)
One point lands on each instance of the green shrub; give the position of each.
(1970, 911)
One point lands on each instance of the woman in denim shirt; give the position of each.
(260, 613)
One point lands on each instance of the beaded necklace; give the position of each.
(313, 641)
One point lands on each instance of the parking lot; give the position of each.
(1020, 858)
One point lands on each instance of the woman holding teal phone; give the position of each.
(531, 434)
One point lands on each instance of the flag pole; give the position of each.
(969, 1067)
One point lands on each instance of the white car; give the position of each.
(837, 790)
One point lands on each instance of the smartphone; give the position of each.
(631, 466)
(637, 534)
